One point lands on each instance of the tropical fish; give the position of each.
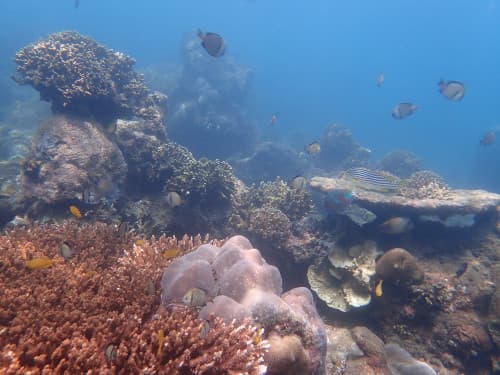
(452, 90)
(397, 225)
(139, 242)
(66, 251)
(338, 200)
(205, 329)
(313, 148)
(39, 263)
(171, 253)
(195, 297)
(274, 119)
(488, 139)
(380, 79)
(403, 110)
(369, 179)
(75, 211)
(161, 340)
(378, 289)
(213, 43)
(123, 228)
(174, 199)
(111, 353)
(298, 182)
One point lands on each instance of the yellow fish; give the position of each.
(38, 263)
(139, 242)
(75, 211)
(378, 289)
(171, 253)
(161, 339)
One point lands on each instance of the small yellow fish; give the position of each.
(75, 211)
(161, 340)
(38, 263)
(139, 242)
(258, 338)
(378, 289)
(171, 253)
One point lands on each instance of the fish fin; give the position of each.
(200, 34)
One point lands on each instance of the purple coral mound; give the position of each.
(240, 284)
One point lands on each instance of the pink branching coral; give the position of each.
(94, 308)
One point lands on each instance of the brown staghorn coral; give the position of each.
(96, 312)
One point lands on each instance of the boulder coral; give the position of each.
(67, 156)
(240, 284)
(398, 265)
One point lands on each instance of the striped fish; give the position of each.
(371, 180)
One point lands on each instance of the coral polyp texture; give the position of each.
(237, 284)
(77, 74)
(94, 308)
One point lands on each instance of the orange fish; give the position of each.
(274, 119)
(75, 211)
(38, 263)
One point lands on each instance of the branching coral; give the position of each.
(77, 74)
(95, 311)
(425, 184)
(207, 182)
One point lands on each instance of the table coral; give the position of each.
(97, 312)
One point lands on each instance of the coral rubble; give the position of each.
(78, 75)
(98, 310)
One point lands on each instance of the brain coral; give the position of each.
(245, 285)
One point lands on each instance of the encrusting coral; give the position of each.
(93, 308)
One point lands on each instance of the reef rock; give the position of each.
(450, 208)
(67, 157)
(240, 284)
(399, 265)
(344, 282)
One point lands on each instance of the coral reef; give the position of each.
(343, 282)
(339, 150)
(211, 100)
(269, 161)
(78, 75)
(425, 184)
(398, 265)
(67, 156)
(97, 311)
(269, 224)
(401, 163)
(238, 283)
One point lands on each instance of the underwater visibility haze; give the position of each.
(148, 149)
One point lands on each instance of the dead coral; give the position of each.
(77, 74)
(95, 312)
(425, 184)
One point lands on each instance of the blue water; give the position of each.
(315, 63)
